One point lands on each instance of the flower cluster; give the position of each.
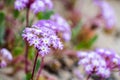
(5, 56)
(21, 4)
(99, 62)
(63, 26)
(43, 36)
(107, 13)
(111, 58)
(35, 5)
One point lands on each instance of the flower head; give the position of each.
(5, 56)
(35, 5)
(43, 50)
(107, 13)
(63, 26)
(91, 61)
(100, 62)
(104, 72)
(38, 6)
(21, 4)
(46, 24)
(3, 64)
(111, 58)
(42, 37)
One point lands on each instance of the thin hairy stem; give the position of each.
(40, 69)
(26, 48)
(27, 17)
(35, 61)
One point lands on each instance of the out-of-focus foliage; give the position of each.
(81, 44)
(2, 28)
(44, 15)
(16, 13)
(2, 17)
(18, 45)
(76, 30)
(31, 53)
(9, 2)
(87, 44)
(27, 77)
(37, 65)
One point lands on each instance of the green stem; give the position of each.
(40, 69)
(35, 61)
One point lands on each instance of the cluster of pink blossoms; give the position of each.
(100, 62)
(63, 26)
(5, 56)
(107, 13)
(43, 36)
(35, 5)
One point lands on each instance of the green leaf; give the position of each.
(27, 77)
(92, 41)
(31, 52)
(2, 33)
(2, 17)
(22, 18)
(47, 14)
(9, 2)
(19, 44)
(16, 13)
(44, 15)
(17, 51)
(2, 28)
(80, 45)
(76, 30)
(37, 65)
(40, 15)
(88, 44)
(19, 40)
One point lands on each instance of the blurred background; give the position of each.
(89, 10)
(88, 31)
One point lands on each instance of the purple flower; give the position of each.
(5, 56)
(21, 4)
(47, 24)
(43, 50)
(42, 37)
(100, 62)
(112, 59)
(104, 72)
(63, 26)
(28, 36)
(3, 64)
(35, 5)
(89, 69)
(46, 41)
(48, 4)
(38, 6)
(54, 41)
(81, 54)
(107, 13)
(34, 41)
